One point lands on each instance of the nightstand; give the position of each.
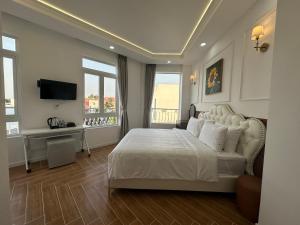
(181, 124)
(248, 196)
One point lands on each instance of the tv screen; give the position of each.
(50, 89)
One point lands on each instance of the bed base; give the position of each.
(225, 184)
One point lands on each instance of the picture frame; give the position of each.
(214, 78)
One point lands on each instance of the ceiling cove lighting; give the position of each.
(203, 44)
(112, 47)
(58, 9)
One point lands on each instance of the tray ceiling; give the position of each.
(150, 31)
(156, 26)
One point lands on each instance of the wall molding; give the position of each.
(245, 41)
(204, 67)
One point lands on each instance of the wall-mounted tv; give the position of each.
(51, 89)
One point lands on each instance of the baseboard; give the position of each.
(21, 163)
(103, 145)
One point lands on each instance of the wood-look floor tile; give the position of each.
(176, 223)
(227, 209)
(11, 187)
(86, 209)
(116, 222)
(18, 220)
(17, 208)
(172, 210)
(156, 223)
(69, 208)
(19, 192)
(161, 216)
(214, 215)
(137, 222)
(61, 177)
(89, 203)
(78, 221)
(97, 222)
(199, 214)
(119, 207)
(34, 209)
(94, 176)
(38, 221)
(102, 208)
(51, 204)
(135, 206)
(57, 221)
(84, 163)
(44, 175)
(18, 201)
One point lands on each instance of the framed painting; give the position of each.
(214, 74)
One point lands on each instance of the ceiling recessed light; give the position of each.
(169, 61)
(203, 44)
(112, 47)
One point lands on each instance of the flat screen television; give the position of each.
(51, 89)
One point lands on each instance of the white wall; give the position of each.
(4, 187)
(246, 73)
(43, 53)
(280, 200)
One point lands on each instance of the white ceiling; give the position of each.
(157, 25)
(142, 29)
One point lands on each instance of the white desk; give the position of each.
(45, 133)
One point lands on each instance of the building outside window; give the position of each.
(166, 98)
(9, 49)
(101, 102)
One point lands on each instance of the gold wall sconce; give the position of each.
(258, 33)
(193, 79)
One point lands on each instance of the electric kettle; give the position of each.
(53, 122)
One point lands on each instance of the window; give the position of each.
(109, 95)
(8, 43)
(166, 98)
(99, 66)
(100, 93)
(10, 90)
(91, 98)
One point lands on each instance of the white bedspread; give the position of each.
(162, 154)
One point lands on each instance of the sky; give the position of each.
(92, 86)
(8, 44)
(8, 77)
(99, 66)
(92, 81)
(167, 78)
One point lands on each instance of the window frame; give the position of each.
(14, 56)
(101, 76)
(180, 94)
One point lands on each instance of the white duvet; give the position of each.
(162, 154)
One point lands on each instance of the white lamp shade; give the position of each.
(257, 32)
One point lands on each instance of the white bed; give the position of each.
(176, 160)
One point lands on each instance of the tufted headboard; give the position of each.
(253, 134)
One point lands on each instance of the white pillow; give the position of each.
(194, 126)
(203, 121)
(232, 139)
(213, 135)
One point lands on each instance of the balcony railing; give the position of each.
(101, 121)
(161, 115)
